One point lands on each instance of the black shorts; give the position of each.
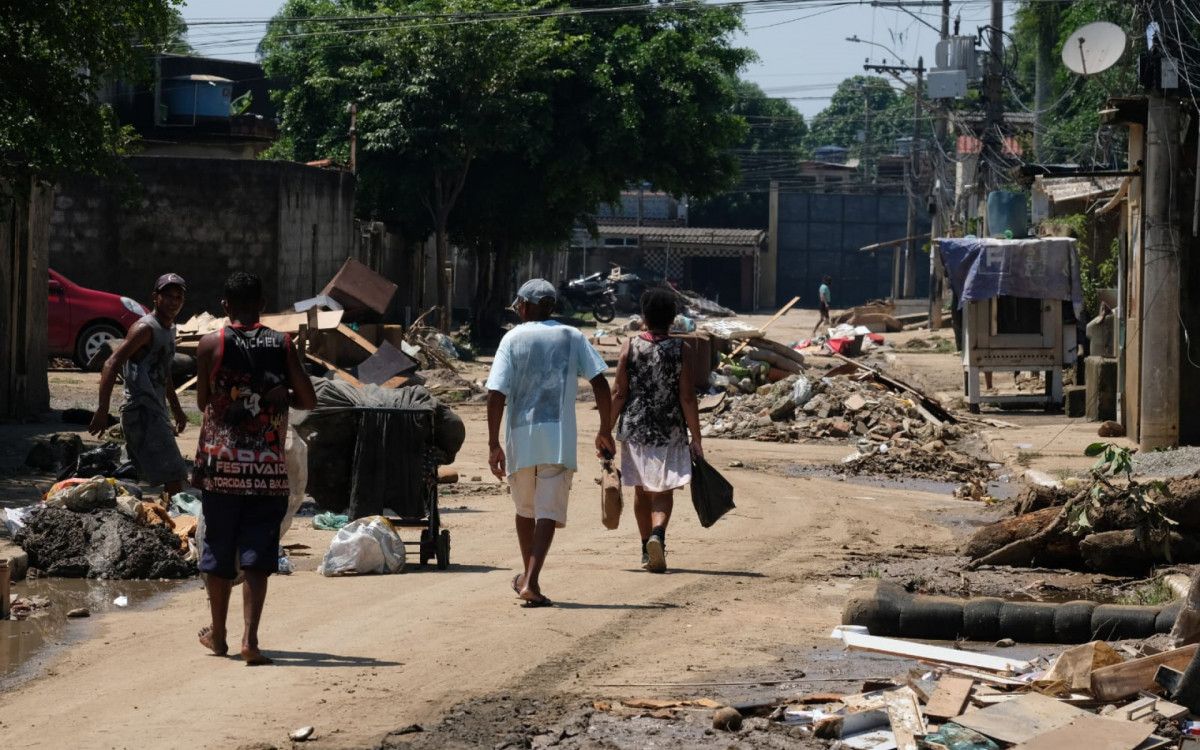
(824, 310)
(240, 528)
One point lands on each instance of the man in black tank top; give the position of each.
(249, 376)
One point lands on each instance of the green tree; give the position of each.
(866, 116)
(771, 148)
(551, 112)
(55, 59)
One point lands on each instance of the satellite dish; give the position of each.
(1094, 48)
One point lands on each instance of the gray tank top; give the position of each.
(146, 379)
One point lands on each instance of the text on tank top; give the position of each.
(242, 440)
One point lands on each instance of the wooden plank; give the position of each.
(950, 697)
(1091, 732)
(767, 325)
(337, 371)
(191, 382)
(905, 717)
(1021, 719)
(1123, 680)
(1172, 711)
(924, 652)
(989, 679)
(357, 338)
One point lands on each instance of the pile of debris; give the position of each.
(931, 461)
(99, 528)
(851, 402)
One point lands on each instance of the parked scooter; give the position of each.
(594, 293)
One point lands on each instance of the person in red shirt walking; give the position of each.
(249, 376)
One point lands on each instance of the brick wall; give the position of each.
(203, 219)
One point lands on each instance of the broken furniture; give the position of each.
(1020, 300)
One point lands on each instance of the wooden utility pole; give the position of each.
(939, 213)
(1160, 344)
(992, 152)
(914, 186)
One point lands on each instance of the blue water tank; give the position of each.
(1007, 212)
(191, 96)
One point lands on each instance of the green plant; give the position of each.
(1155, 593)
(1151, 523)
(873, 572)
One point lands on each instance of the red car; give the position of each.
(81, 320)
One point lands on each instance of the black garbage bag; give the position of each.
(712, 494)
(101, 461)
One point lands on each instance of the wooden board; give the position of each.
(1021, 719)
(337, 371)
(1123, 680)
(904, 715)
(1091, 732)
(191, 382)
(937, 654)
(767, 325)
(354, 336)
(950, 697)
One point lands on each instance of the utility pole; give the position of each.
(867, 160)
(907, 287)
(939, 212)
(914, 185)
(352, 108)
(1160, 345)
(992, 151)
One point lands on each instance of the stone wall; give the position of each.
(291, 224)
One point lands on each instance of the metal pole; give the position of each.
(353, 138)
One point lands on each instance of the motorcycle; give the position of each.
(594, 293)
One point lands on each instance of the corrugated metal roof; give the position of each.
(691, 235)
(1077, 189)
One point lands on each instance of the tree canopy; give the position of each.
(770, 150)
(865, 115)
(56, 57)
(549, 109)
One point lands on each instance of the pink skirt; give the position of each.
(655, 468)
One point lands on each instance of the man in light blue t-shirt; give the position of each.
(536, 375)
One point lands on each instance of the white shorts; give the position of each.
(541, 492)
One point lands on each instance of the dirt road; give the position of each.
(359, 657)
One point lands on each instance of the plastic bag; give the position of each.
(329, 521)
(185, 504)
(955, 737)
(802, 391)
(97, 492)
(712, 494)
(102, 460)
(15, 518)
(368, 545)
(611, 503)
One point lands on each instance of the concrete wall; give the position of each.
(291, 224)
(24, 223)
(821, 233)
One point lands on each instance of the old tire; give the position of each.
(1114, 622)
(604, 312)
(981, 618)
(1073, 622)
(935, 618)
(91, 339)
(1030, 622)
(875, 604)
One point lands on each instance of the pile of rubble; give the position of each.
(843, 406)
(931, 461)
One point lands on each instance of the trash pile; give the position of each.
(101, 528)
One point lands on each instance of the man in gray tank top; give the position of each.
(144, 361)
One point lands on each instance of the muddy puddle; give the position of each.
(997, 490)
(25, 644)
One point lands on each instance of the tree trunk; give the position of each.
(443, 282)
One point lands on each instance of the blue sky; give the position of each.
(801, 45)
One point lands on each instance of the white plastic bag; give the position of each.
(15, 519)
(367, 545)
(296, 453)
(802, 391)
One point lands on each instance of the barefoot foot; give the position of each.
(253, 657)
(207, 640)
